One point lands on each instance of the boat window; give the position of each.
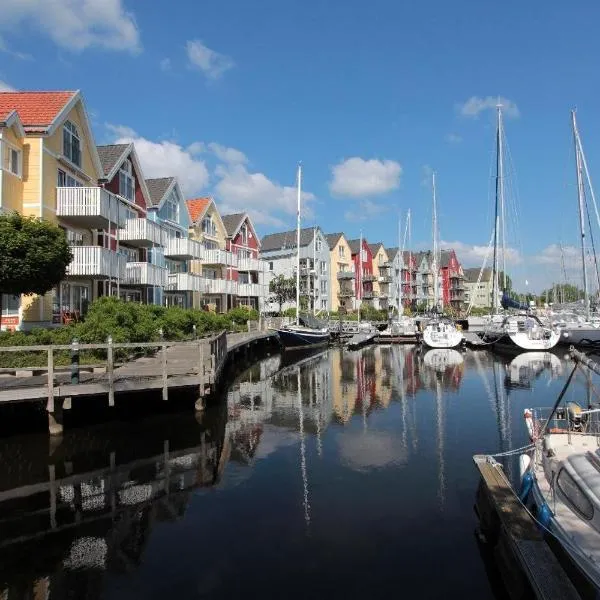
(574, 495)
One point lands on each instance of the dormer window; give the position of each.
(341, 251)
(208, 226)
(318, 245)
(171, 209)
(244, 233)
(72, 143)
(127, 181)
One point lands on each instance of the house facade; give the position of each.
(478, 293)
(342, 274)
(278, 250)
(452, 280)
(363, 267)
(382, 269)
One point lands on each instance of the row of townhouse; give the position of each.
(337, 273)
(131, 237)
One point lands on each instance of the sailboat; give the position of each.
(577, 329)
(440, 332)
(305, 332)
(523, 330)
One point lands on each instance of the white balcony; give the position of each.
(95, 262)
(183, 249)
(142, 273)
(186, 282)
(143, 233)
(251, 290)
(218, 286)
(249, 264)
(218, 257)
(89, 207)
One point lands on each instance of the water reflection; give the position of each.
(389, 429)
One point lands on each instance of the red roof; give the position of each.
(36, 109)
(197, 206)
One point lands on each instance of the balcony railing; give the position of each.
(249, 264)
(385, 279)
(143, 233)
(218, 257)
(97, 263)
(183, 249)
(185, 282)
(346, 293)
(346, 275)
(89, 207)
(251, 290)
(142, 273)
(218, 286)
(369, 294)
(368, 277)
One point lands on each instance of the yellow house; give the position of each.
(47, 146)
(382, 273)
(216, 268)
(341, 272)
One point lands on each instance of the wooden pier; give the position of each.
(528, 566)
(163, 366)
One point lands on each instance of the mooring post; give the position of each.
(110, 363)
(165, 387)
(75, 361)
(55, 417)
(50, 405)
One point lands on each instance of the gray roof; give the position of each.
(232, 222)
(157, 188)
(287, 239)
(110, 155)
(391, 252)
(354, 245)
(375, 248)
(333, 239)
(445, 256)
(471, 275)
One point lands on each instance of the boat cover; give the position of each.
(508, 302)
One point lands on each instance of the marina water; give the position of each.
(346, 475)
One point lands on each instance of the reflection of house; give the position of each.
(342, 272)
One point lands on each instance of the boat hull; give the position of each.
(521, 342)
(449, 339)
(297, 339)
(580, 336)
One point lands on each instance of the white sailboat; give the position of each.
(440, 332)
(304, 333)
(523, 330)
(581, 330)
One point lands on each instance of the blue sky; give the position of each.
(229, 95)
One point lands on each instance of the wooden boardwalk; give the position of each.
(526, 562)
(162, 366)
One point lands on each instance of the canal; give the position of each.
(346, 475)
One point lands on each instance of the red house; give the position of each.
(452, 278)
(363, 282)
(409, 277)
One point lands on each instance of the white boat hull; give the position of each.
(449, 337)
(521, 340)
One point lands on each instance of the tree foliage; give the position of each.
(282, 290)
(34, 255)
(562, 292)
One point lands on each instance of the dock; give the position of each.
(153, 366)
(526, 562)
(361, 339)
(473, 340)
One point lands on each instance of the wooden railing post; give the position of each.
(110, 364)
(165, 386)
(50, 405)
(75, 361)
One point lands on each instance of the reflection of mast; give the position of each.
(303, 455)
(439, 402)
(403, 406)
(502, 416)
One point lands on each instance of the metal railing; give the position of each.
(346, 275)
(143, 232)
(95, 261)
(142, 273)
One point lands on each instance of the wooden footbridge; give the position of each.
(152, 366)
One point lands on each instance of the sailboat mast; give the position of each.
(410, 292)
(580, 197)
(500, 184)
(435, 248)
(497, 209)
(360, 275)
(400, 311)
(299, 183)
(315, 269)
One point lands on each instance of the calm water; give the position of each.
(349, 475)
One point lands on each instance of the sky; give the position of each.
(371, 96)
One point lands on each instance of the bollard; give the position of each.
(75, 361)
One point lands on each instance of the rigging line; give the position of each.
(587, 210)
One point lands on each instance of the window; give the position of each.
(130, 213)
(127, 181)
(171, 208)
(574, 495)
(318, 245)
(323, 286)
(71, 143)
(324, 304)
(10, 305)
(323, 267)
(270, 266)
(341, 251)
(66, 180)
(175, 266)
(11, 160)
(75, 238)
(244, 233)
(208, 226)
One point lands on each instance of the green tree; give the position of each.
(34, 255)
(282, 289)
(562, 292)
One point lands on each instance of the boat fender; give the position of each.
(526, 485)
(544, 515)
(524, 462)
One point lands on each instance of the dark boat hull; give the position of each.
(292, 339)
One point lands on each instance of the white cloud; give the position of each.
(75, 24)
(165, 64)
(365, 211)
(5, 48)
(222, 153)
(5, 87)
(453, 138)
(211, 63)
(567, 256)
(240, 190)
(472, 256)
(356, 177)
(166, 159)
(475, 105)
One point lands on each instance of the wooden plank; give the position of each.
(547, 578)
